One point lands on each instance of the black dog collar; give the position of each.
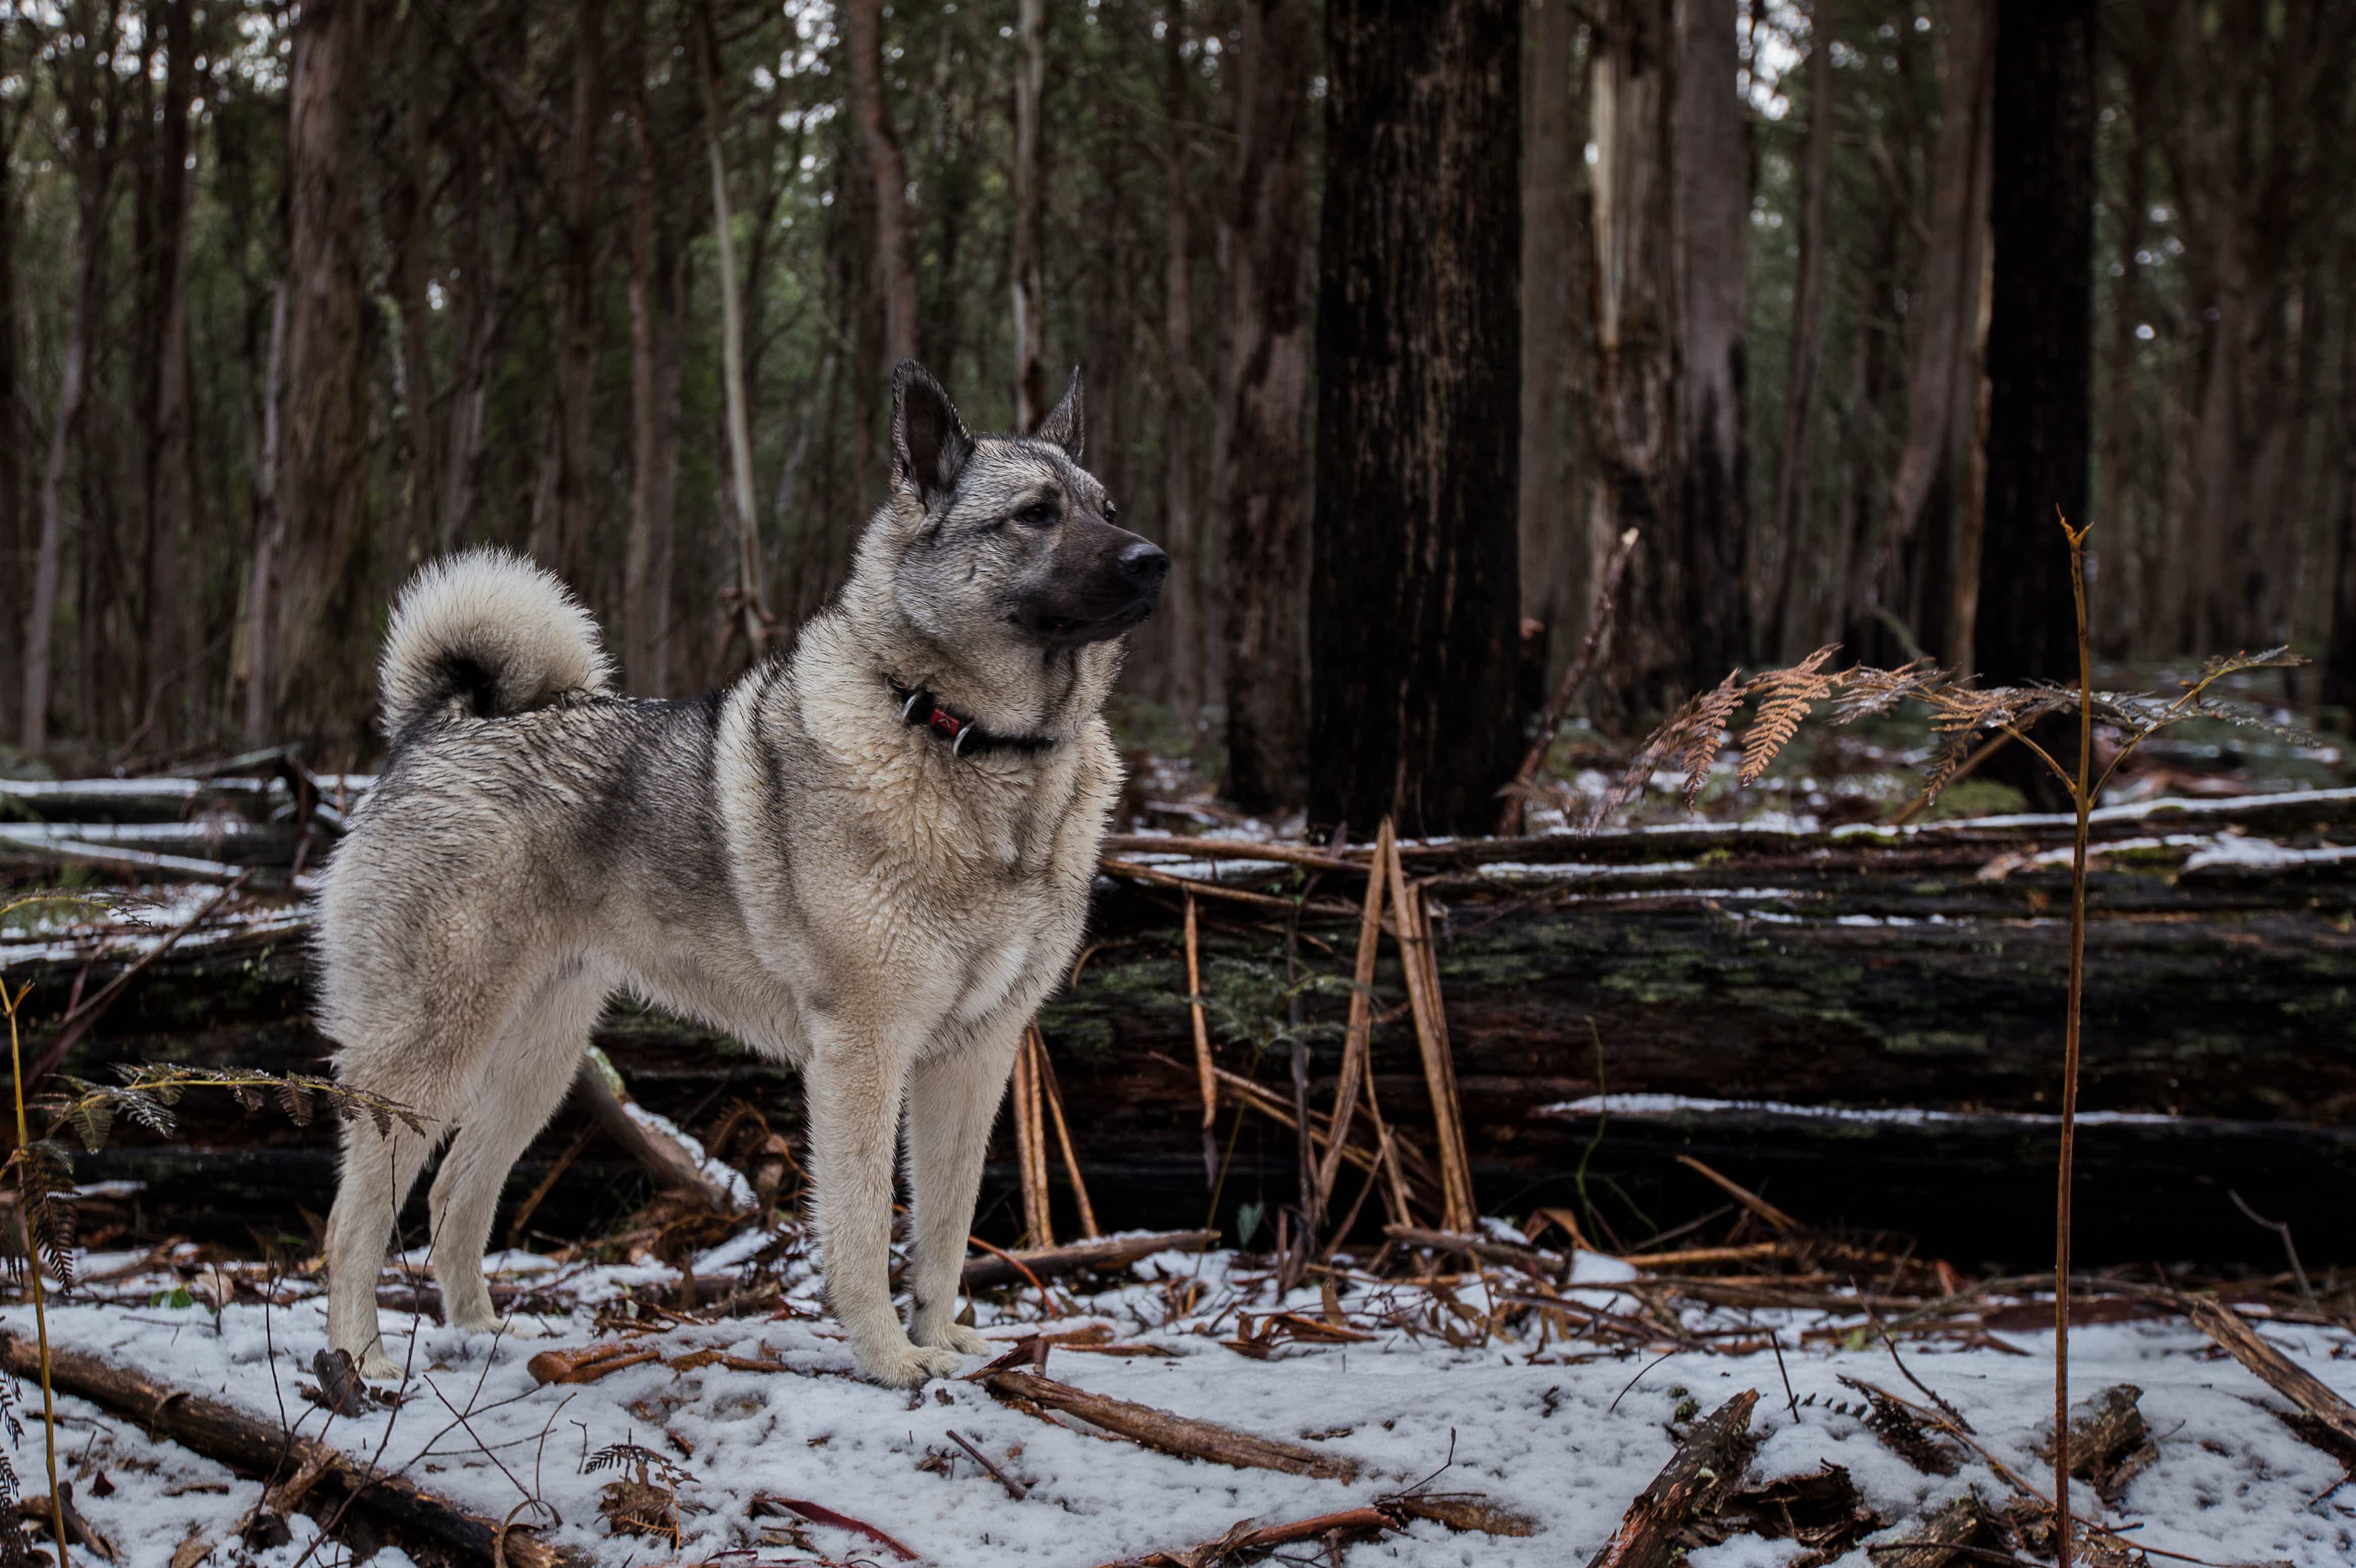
(966, 737)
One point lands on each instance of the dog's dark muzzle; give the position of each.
(1102, 581)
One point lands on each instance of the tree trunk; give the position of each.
(751, 612)
(576, 347)
(261, 630)
(2041, 335)
(165, 628)
(1181, 602)
(2340, 651)
(1672, 190)
(1031, 397)
(323, 492)
(640, 617)
(894, 235)
(1552, 522)
(1772, 578)
(1267, 386)
(1711, 215)
(412, 223)
(1940, 326)
(93, 114)
(1414, 613)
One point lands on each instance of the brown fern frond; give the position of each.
(43, 1173)
(2218, 666)
(2248, 719)
(1639, 772)
(1866, 691)
(1707, 731)
(1784, 697)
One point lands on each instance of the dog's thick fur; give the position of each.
(790, 859)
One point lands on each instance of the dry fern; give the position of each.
(1786, 696)
(1964, 718)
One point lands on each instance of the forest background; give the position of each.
(1393, 318)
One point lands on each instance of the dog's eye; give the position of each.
(1112, 511)
(1039, 514)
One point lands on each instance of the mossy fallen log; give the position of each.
(1864, 971)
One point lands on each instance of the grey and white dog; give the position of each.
(870, 857)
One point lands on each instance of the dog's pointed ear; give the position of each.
(1063, 424)
(929, 442)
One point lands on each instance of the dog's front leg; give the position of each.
(952, 1103)
(855, 1088)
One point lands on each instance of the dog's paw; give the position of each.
(376, 1367)
(908, 1364)
(959, 1337)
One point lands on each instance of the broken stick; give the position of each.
(2278, 1372)
(1107, 1254)
(1702, 1472)
(1180, 1434)
(252, 1446)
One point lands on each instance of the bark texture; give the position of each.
(2041, 333)
(1671, 190)
(1266, 389)
(1031, 396)
(894, 237)
(322, 490)
(1415, 607)
(1554, 565)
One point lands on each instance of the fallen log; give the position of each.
(254, 1447)
(1702, 1474)
(1171, 1434)
(1103, 1255)
(1813, 973)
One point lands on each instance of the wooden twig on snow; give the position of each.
(818, 1513)
(251, 1446)
(1357, 1044)
(1705, 1470)
(2278, 1372)
(1180, 1434)
(1104, 1254)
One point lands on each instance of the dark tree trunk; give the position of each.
(1031, 393)
(894, 239)
(2339, 652)
(1267, 393)
(1671, 183)
(1773, 577)
(163, 627)
(576, 356)
(2040, 346)
(1414, 613)
(1552, 514)
(1181, 602)
(322, 493)
(1711, 217)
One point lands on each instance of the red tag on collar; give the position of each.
(946, 722)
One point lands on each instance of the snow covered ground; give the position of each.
(1566, 1432)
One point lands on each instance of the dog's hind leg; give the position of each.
(952, 1103)
(378, 1168)
(855, 1090)
(524, 1078)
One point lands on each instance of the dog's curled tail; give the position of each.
(491, 630)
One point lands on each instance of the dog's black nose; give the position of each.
(1143, 566)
